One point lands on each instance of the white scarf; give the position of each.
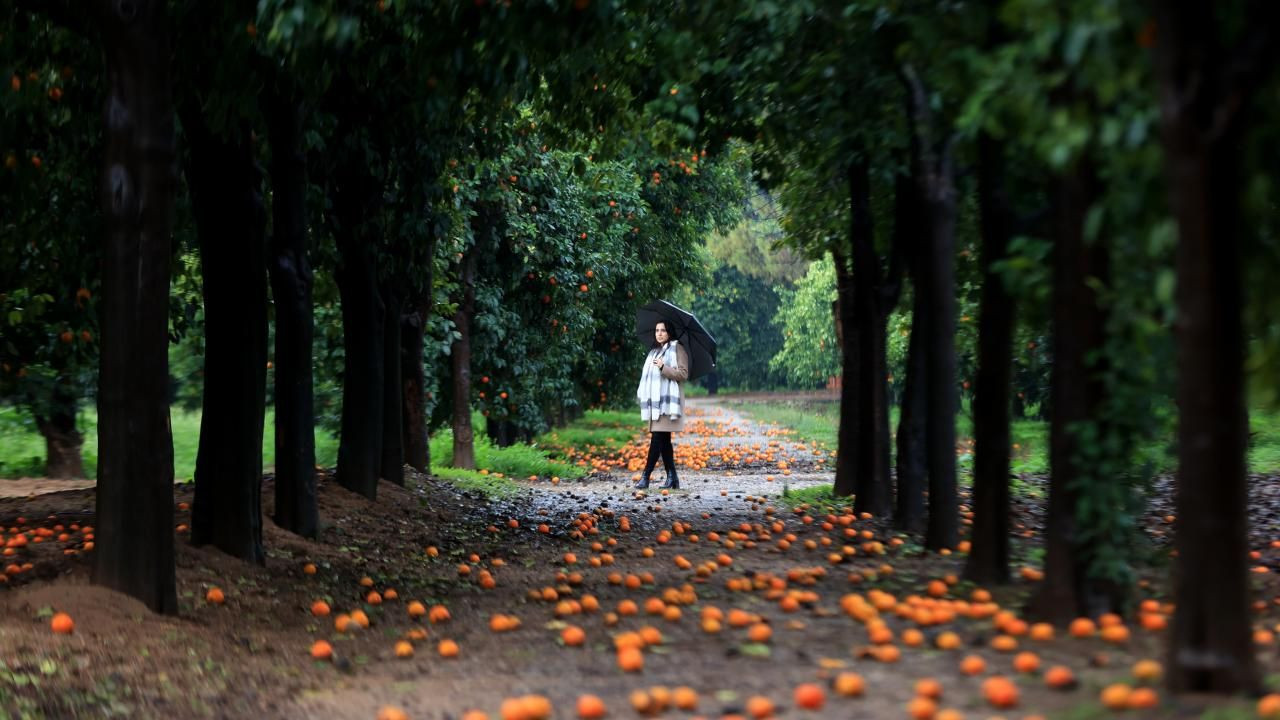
(659, 395)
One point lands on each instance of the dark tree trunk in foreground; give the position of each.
(360, 447)
(135, 540)
(1205, 92)
(417, 452)
(847, 334)
(230, 223)
(935, 265)
(291, 281)
(464, 451)
(392, 448)
(62, 441)
(910, 469)
(872, 303)
(988, 561)
(1079, 326)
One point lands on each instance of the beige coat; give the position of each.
(679, 373)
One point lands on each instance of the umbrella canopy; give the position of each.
(683, 327)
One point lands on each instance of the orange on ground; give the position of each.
(321, 650)
(849, 684)
(1000, 691)
(1115, 696)
(590, 707)
(447, 648)
(215, 596)
(62, 624)
(810, 696)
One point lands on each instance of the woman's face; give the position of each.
(660, 333)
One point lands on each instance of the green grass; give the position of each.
(22, 448)
(607, 430)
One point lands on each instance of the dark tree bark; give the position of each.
(230, 224)
(911, 466)
(1205, 90)
(62, 441)
(935, 265)
(988, 561)
(291, 282)
(1079, 325)
(417, 451)
(848, 335)
(464, 451)
(393, 393)
(872, 462)
(135, 540)
(360, 447)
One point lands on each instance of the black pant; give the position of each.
(660, 446)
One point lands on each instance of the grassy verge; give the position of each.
(604, 430)
(22, 448)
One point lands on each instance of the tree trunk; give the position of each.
(848, 335)
(1079, 323)
(872, 455)
(464, 451)
(935, 271)
(135, 540)
(911, 467)
(417, 450)
(360, 447)
(911, 476)
(1205, 93)
(230, 224)
(291, 282)
(988, 561)
(393, 393)
(61, 439)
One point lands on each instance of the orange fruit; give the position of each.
(1026, 662)
(947, 641)
(321, 650)
(760, 707)
(438, 614)
(590, 707)
(1115, 696)
(573, 636)
(810, 696)
(1000, 691)
(1147, 670)
(849, 684)
(320, 608)
(215, 596)
(390, 712)
(404, 649)
(416, 609)
(1268, 707)
(973, 665)
(1060, 677)
(1082, 627)
(685, 698)
(447, 648)
(62, 624)
(760, 632)
(1143, 698)
(630, 659)
(921, 708)
(359, 618)
(929, 688)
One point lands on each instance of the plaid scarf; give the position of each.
(659, 395)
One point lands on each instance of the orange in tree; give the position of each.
(810, 696)
(62, 624)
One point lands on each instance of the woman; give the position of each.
(661, 396)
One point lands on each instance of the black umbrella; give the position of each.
(683, 327)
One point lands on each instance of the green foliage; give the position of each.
(741, 309)
(810, 353)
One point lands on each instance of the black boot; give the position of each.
(672, 482)
(642, 483)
